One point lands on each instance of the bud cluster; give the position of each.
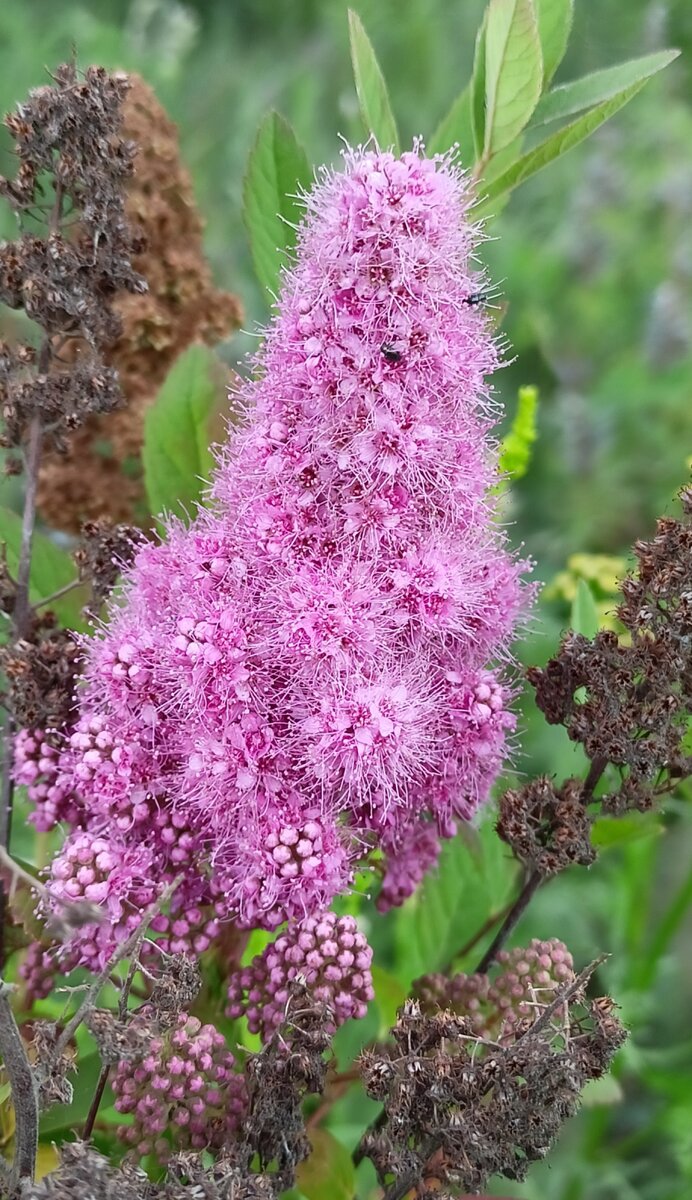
(182, 1094)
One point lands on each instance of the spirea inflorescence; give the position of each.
(306, 673)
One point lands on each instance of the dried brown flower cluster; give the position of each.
(291, 1066)
(86, 1173)
(99, 473)
(83, 1172)
(67, 137)
(638, 696)
(458, 1109)
(70, 132)
(40, 670)
(626, 701)
(103, 553)
(41, 666)
(548, 827)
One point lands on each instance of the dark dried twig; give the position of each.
(24, 1092)
(516, 912)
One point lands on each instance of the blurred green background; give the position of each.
(594, 262)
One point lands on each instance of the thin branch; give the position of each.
(24, 1092)
(596, 769)
(33, 456)
(96, 1102)
(124, 950)
(125, 989)
(62, 591)
(528, 891)
(563, 997)
(22, 610)
(15, 871)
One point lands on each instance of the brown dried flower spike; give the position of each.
(458, 1108)
(99, 474)
(70, 133)
(633, 711)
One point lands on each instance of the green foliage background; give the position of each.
(594, 261)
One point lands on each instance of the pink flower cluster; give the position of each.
(44, 770)
(39, 968)
(332, 956)
(303, 674)
(185, 1087)
(526, 978)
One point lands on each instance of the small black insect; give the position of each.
(390, 353)
(477, 298)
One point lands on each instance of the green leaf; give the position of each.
(176, 454)
(610, 832)
(599, 86)
(666, 929)
(47, 1160)
(371, 88)
(477, 102)
(554, 27)
(52, 568)
(390, 994)
(328, 1173)
(515, 452)
(513, 71)
(553, 147)
(455, 127)
(472, 880)
(584, 618)
(277, 170)
(606, 1090)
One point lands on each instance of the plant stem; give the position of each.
(63, 591)
(596, 769)
(124, 950)
(95, 1103)
(33, 456)
(24, 1092)
(22, 608)
(528, 891)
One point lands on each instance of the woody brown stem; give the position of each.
(23, 1090)
(512, 918)
(22, 608)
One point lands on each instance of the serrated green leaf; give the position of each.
(571, 98)
(277, 170)
(52, 568)
(584, 617)
(477, 101)
(176, 454)
(328, 1173)
(373, 98)
(554, 26)
(513, 71)
(553, 147)
(455, 127)
(515, 453)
